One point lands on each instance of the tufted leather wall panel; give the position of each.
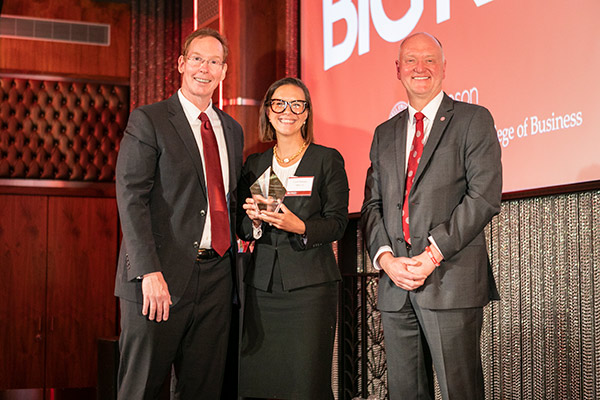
(60, 130)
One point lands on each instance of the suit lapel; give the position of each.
(442, 119)
(265, 161)
(262, 163)
(400, 149)
(306, 167)
(184, 131)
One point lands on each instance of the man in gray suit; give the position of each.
(176, 194)
(424, 229)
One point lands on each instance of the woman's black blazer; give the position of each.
(302, 262)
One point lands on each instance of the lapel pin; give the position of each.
(443, 119)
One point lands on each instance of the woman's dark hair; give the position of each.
(266, 132)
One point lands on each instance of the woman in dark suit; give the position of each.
(292, 286)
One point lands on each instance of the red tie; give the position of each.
(413, 162)
(219, 219)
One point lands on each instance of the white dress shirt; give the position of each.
(430, 111)
(192, 114)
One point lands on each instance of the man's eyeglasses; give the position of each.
(296, 106)
(196, 61)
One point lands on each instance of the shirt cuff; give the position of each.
(382, 249)
(432, 241)
(256, 231)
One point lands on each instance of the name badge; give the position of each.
(299, 186)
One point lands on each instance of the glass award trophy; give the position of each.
(268, 191)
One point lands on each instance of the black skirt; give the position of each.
(287, 342)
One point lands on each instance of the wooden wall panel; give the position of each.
(257, 34)
(22, 290)
(82, 257)
(80, 60)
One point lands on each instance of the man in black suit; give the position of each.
(174, 277)
(426, 233)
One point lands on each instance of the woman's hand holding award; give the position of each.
(268, 192)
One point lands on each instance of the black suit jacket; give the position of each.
(325, 214)
(456, 191)
(162, 196)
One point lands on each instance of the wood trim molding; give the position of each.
(57, 188)
(552, 190)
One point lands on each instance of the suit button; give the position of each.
(202, 213)
(399, 206)
(196, 245)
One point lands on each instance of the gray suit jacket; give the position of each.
(324, 212)
(456, 191)
(162, 197)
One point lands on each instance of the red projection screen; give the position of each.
(534, 64)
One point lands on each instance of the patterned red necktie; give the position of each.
(413, 162)
(219, 218)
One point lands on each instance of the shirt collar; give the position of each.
(192, 112)
(430, 110)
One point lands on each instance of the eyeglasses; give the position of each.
(196, 61)
(296, 106)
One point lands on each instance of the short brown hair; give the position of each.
(204, 32)
(266, 132)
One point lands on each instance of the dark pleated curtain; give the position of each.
(156, 38)
(292, 14)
